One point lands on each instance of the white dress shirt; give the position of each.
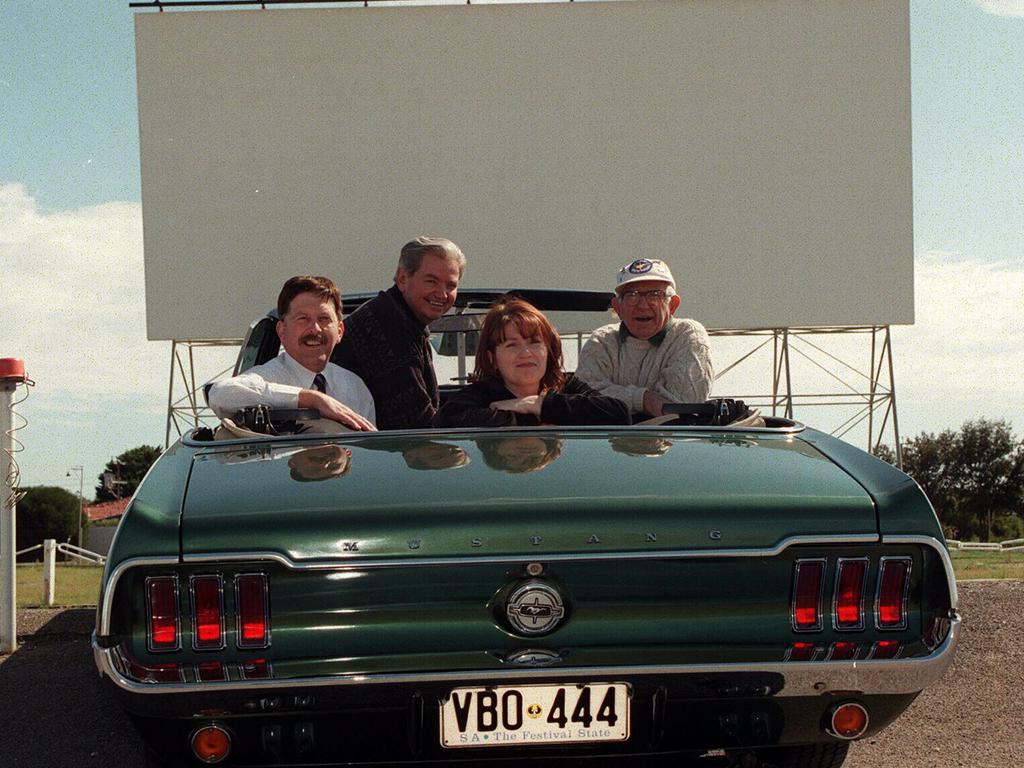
(277, 383)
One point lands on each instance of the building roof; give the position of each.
(106, 509)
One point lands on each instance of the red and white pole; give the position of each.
(12, 373)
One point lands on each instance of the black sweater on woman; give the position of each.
(575, 404)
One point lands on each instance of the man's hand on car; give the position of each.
(653, 403)
(334, 410)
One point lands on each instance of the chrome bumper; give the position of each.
(800, 678)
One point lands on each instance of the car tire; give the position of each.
(153, 759)
(804, 756)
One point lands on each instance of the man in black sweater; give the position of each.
(386, 340)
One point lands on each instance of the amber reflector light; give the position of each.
(807, 597)
(849, 721)
(892, 587)
(850, 594)
(162, 601)
(253, 631)
(211, 744)
(207, 604)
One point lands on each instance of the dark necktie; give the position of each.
(320, 383)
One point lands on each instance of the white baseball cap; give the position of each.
(644, 269)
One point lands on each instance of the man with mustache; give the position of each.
(387, 339)
(650, 358)
(301, 376)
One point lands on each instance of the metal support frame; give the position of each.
(186, 405)
(869, 390)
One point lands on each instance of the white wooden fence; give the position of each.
(1013, 545)
(50, 548)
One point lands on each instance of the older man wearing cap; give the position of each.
(650, 358)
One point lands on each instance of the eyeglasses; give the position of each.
(632, 298)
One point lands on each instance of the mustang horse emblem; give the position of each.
(535, 608)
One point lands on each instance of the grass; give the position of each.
(972, 564)
(80, 584)
(74, 585)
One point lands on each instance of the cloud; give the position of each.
(1002, 7)
(73, 308)
(74, 301)
(963, 357)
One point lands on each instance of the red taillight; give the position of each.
(155, 673)
(849, 600)
(253, 615)
(210, 670)
(207, 612)
(885, 649)
(800, 652)
(255, 669)
(842, 651)
(162, 618)
(893, 581)
(807, 595)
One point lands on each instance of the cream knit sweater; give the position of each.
(679, 368)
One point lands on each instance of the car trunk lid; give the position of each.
(516, 492)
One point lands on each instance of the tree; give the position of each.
(122, 475)
(45, 512)
(974, 477)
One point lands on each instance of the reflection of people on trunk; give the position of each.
(421, 454)
(320, 463)
(525, 453)
(641, 446)
(433, 455)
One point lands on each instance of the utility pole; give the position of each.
(12, 373)
(81, 487)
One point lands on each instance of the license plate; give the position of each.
(535, 714)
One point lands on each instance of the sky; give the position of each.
(72, 299)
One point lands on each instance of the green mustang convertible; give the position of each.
(745, 595)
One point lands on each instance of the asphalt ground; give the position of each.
(54, 711)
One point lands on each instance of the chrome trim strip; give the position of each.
(943, 553)
(681, 430)
(111, 585)
(859, 626)
(367, 562)
(801, 678)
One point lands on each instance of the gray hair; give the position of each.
(413, 252)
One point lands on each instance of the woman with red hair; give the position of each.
(519, 381)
